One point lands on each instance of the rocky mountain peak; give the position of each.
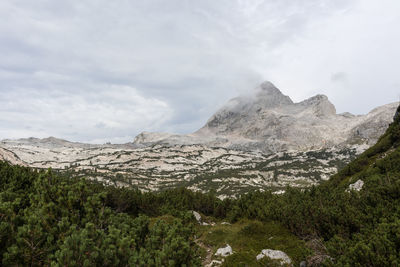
(145, 137)
(267, 95)
(270, 121)
(268, 86)
(320, 104)
(247, 109)
(316, 99)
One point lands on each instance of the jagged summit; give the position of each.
(269, 95)
(268, 87)
(320, 104)
(270, 121)
(246, 107)
(317, 99)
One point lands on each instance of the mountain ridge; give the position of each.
(271, 122)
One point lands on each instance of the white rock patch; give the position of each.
(357, 186)
(279, 192)
(275, 255)
(214, 263)
(224, 252)
(197, 216)
(171, 166)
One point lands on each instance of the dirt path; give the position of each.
(207, 260)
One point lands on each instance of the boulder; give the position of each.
(224, 252)
(357, 186)
(214, 263)
(197, 216)
(275, 255)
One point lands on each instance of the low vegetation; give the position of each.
(248, 237)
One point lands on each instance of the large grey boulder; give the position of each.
(281, 256)
(224, 252)
(357, 186)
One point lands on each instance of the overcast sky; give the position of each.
(101, 70)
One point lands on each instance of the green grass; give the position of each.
(247, 239)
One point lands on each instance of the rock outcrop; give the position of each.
(197, 167)
(197, 216)
(357, 186)
(11, 157)
(224, 252)
(277, 255)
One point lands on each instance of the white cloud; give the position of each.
(108, 113)
(360, 44)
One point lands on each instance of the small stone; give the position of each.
(214, 263)
(279, 192)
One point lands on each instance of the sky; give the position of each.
(103, 71)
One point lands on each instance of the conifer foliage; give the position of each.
(53, 221)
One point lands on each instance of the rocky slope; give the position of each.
(198, 167)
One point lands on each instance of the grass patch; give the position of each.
(169, 219)
(247, 239)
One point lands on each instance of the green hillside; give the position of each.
(47, 219)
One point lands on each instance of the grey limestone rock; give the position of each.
(224, 252)
(278, 255)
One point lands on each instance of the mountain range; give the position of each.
(271, 122)
(258, 141)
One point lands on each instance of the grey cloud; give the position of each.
(96, 70)
(339, 77)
